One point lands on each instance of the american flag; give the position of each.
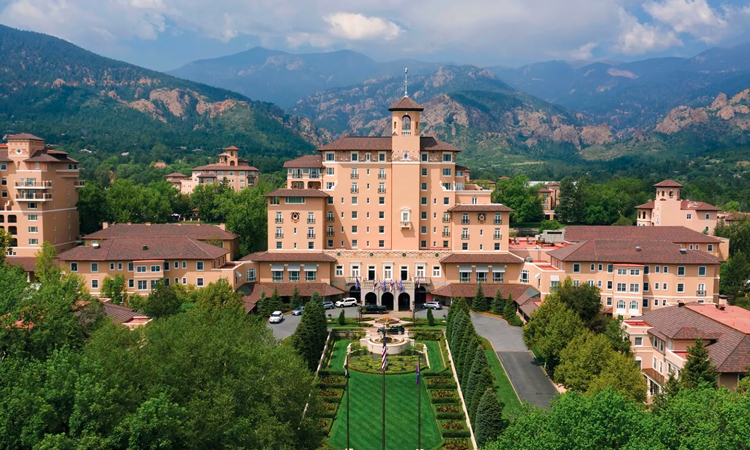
(383, 357)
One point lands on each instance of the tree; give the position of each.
(311, 334)
(582, 360)
(584, 300)
(114, 289)
(295, 300)
(342, 318)
(509, 310)
(163, 301)
(274, 303)
(263, 307)
(44, 264)
(622, 221)
(457, 304)
(735, 274)
(525, 201)
(489, 422)
(477, 364)
(479, 303)
(698, 368)
(616, 335)
(430, 318)
(208, 198)
(245, 215)
(621, 374)
(498, 304)
(550, 329)
(92, 208)
(218, 295)
(572, 200)
(549, 225)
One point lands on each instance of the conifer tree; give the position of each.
(479, 303)
(498, 304)
(482, 383)
(698, 368)
(342, 318)
(509, 309)
(310, 336)
(295, 300)
(489, 419)
(262, 305)
(477, 365)
(457, 304)
(274, 303)
(430, 318)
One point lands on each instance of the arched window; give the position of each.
(634, 305)
(620, 304)
(406, 126)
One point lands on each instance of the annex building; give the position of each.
(669, 209)
(231, 169)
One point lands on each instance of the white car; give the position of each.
(433, 305)
(276, 317)
(349, 301)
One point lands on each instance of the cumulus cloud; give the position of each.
(358, 27)
(637, 38)
(695, 17)
(583, 52)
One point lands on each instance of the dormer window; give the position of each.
(406, 126)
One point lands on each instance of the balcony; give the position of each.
(498, 222)
(279, 235)
(311, 220)
(381, 190)
(446, 234)
(446, 219)
(497, 236)
(465, 236)
(381, 176)
(311, 235)
(354, 190)
(79, 183)
(279, 220)
(40, 185)
(33, 197)
(331, 219)
(405, 224)
(354, 176)
(700, 293)
(296, 175)
(465, 221)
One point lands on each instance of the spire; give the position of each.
(406, 82)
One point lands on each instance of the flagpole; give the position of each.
(347, 402)
(385, 338)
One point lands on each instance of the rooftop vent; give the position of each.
(145, 247)
(95, 245)
(683, 250)
(638, 248)
(680, 304)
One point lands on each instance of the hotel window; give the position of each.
(199, 282)
(423, 244)
(656, 286)
(656, 302)
(184, 264)
(424, 186)
(497, 277)
(593, 267)
(664, 286)
(355, 215)
(481, 277)
(329, 171)
(339, 271)
(634, 305)
(354, 229)
(609, 301)
(424, 157)
(635, 272)
(33, 218)
(250, 275)
(465, 246)
(600, 267)
(381, 200)
(142, 285)
(599, 284)
(310, 276)
(634, 287)
(646, 270)
(657, 269)
(355, 156)
(576, 283)
(381, 244)
(424, 201)
(621, 287)
(295, 200)
(576, 268)
(3, 166)
(590, 283)
(610, 268)
(329, 243)
(664, 302)
(680, 288)
(330, 157)
(155, 269)
(701, 289)
(665, 269)
(278, 276)
(111, 266)
(381, 156)
(74, 267)
(33, 241)
(446, 172)
(131, 283)
(645, 286)
(497, 246)
(33, 229)
(645, 303)
(423, 215)
(464, 276)
(524, 276)
(680, 271)
(199, 265)
(329, 185)
(436, 272)
(689, 216)
(294, 276)
(701, 271)
(609, 285)
(32, 205)
(621, 305)
(447, 157)
(445, 244)
(622, 271)
(274, 200)
(710, 247)
(423, 230)
(498, 219)
(355, 243)
(95, 267)
(130, 267)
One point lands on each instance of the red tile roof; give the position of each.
(489, 207)
(303, 162)
(286, 290)
(222, 167)
(730, 350)
(156, 248)
(698, 206)
(161, 230)
(627, 251)
(231, 147)
(468, 290)
(672, 234)
(176, 175)
(46, 156)
(4, 155)
(482, 258)
(121, 314)
(426, 143)
(649, 205)
(27, 262)
(288, 257)
(668, 183)
(23, 137)
(298, 193)
(405, 104)
(731, 316)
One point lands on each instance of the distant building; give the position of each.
(38, 197)
(231, 169)
(659, 340)
(128, 317)
(550, 194)
(669, 209)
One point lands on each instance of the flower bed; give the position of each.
(448, 411)
(441, 383)
(332, 382)
(386, 320)
(397, 364)
(443, 396)
(331, 395)
(328, 410)
(457, 444)
(454, 428)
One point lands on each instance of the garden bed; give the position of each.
(397, 364)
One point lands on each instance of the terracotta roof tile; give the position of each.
(288, 257)
(24, 137)
(489, 207)
(668, 183)
(426, 143)
(4, 155)
(298, 193)
(649, 205)
(303, 162)
(662, 233)
(132, 249)
(287, 289)
(27, 262)
(468, 290)
(405, 104)
(627, 251)
(698, 206)
(176, 175)
(161, 230)
(120, 313)
(482, 258)
(222, 167)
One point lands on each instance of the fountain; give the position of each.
(395, 344)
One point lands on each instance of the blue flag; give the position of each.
(417, 374)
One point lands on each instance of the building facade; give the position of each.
(388, 220)
(231, 169)
(660, 339)
(669, 209)
(38, 196)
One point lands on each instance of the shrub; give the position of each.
(430, 318)
(342, 317)
(457, 444)
(423, 335)
(454, 425)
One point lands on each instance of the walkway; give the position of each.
(528, 379)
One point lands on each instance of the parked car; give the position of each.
(298, 311)
(349, 301)
(372, 309)
(276, 317)
(396, 330)
(433, 305)
(327, 304)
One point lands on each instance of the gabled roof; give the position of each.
(143, 249)
(577, 233)
(631, 252)
(222, 167)
(4, 155)
(298, 193)
(668, 183)
(364, 143)
(161, 230)
(698, 206)
(28, 263)
(304, 162)
(23, 137)
(122, 314)
(294, 257)
(649, 205)
(50, 156)
(405, 104)
(176, 175)
(231, 147)
(488, 207)
(482, 258)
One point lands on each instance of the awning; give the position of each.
(483, 269)
(554, 278)
(311, 267)
(277, 267)
(292, 267)
(496, 269)
(464, 268)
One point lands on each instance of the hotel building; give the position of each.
(231, 169)
(669, 209)
(659, 341)
(38, 197)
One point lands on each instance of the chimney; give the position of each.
(223, 226)
(95, 245)
(722, 299)
(105, 225)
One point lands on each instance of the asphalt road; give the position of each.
(528, 379)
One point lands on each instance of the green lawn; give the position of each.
(503, 388)
(339, 354)
(401, 412)
(436, 359)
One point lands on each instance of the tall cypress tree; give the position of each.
(489, 421)
(479, 362)
(498, 304)
(482, 383)
(310, 336)
(698, 368)
(479, 303)
(458, 304)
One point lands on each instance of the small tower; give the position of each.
(230, 157)
(23, 146)
(668, 190)
(405, 115)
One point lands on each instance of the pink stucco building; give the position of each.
(669, 209)
(231, 169)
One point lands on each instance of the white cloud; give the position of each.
(583, 52)
(358, 27)
(694, 17)
(637, 38)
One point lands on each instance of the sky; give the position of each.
(166, 34)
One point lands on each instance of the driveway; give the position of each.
(286, 328)
(526, 376)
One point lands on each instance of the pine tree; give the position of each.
(489, 419)
(509, 311)
(457, 304)
(295, 300)
(459, 322)
(430, 318)
(275, 301)
(469, 344)
(311, 334)
(482, 382)
(498, 304)
(477, 365)
(479, 303)
(262, 305)
(698, 368)
(342, 318)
